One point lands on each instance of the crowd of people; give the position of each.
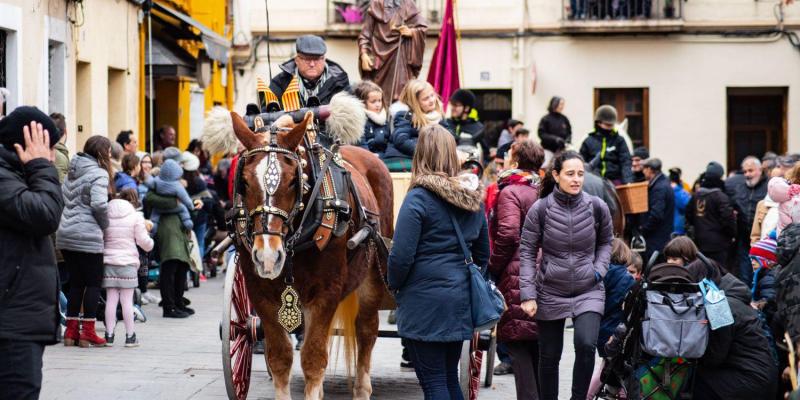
(90, 225)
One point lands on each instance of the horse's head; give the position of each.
(271, 184)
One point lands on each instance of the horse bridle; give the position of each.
(272, 180)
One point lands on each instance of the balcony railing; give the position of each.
(622, 10)
(349, 15)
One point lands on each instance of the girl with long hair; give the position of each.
(86, 190)
(419, 106)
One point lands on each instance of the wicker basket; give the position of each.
(633, 197)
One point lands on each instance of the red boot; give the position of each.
(72, 334)
(89, 337)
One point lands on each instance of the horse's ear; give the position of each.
(248, 138)
(293, 139)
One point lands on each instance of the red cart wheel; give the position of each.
(238, 333)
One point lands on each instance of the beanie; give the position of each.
(464, 97)
(714, 170)
(606, 114)
(171, 171)
(641, 152)
(189, 161)
(766, 249)
(11, 125)
(172, 153)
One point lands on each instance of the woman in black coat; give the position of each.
(737, 363)
(554, 128)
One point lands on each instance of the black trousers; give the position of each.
(525, 360)
(551, 344)
(172, 283)
(20, 369)
(85, 276)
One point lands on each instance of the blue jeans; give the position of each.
(200, 232)
(436, 366)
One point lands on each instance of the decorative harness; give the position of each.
(335, 210)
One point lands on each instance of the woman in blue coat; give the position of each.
(427, 269)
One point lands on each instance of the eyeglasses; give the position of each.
(309, 59)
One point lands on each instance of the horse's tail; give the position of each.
(344, 322)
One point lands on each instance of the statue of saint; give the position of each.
(391, 45)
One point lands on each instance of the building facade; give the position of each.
(697, 81)
(77, 58)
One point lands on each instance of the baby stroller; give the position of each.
(654, 354)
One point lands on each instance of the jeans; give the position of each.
(172, 283)
(578, 8)
(551, 344)
(503, 353)
(86, 275)
(200, 232)
(525, 354)
(436, 365)
(20, 369)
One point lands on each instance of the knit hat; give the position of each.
(190, 161)
(641, 152)
(714, 170)
(464, 97)
(171, 171)
(766, 249)
(606, 114)
(172, 153)
(11, 126)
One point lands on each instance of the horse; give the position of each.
(338, 286)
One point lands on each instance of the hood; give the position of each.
(735, 288)
(119, 208)
(769, 203)
(61, 148)
(464, 191)
(788, 244)
(9, 159)
(170, 171)
(398, 107)
(81, 164)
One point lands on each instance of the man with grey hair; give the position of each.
(656, 224)
(746, 191)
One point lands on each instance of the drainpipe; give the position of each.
(519, 68)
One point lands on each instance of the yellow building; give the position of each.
(187, 62)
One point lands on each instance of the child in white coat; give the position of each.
(127, 229)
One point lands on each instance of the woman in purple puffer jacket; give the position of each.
(573, 230)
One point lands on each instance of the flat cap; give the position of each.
(311, 44)
(652, 163)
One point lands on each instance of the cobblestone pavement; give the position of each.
(180, 359)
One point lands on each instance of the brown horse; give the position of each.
(333, 284)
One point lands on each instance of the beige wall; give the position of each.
(108, 38)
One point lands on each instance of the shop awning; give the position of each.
(216, 45)
(170, 61)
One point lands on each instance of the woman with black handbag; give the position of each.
(573, 231)
(427, 265)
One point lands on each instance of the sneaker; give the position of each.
(130, 341)
(503, 369)
(392, 319)
(144, 300)
(138, 314)
(151, 298)
(175, 313)
(109, 340)
(187, 310)
(406, 366)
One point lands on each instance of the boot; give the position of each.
(89, 337)
(72, 334)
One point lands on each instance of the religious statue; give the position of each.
(391, 45)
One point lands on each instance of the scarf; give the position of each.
(433, 117)
(308, 88)
(517, 177)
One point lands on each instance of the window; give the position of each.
(631, 104)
